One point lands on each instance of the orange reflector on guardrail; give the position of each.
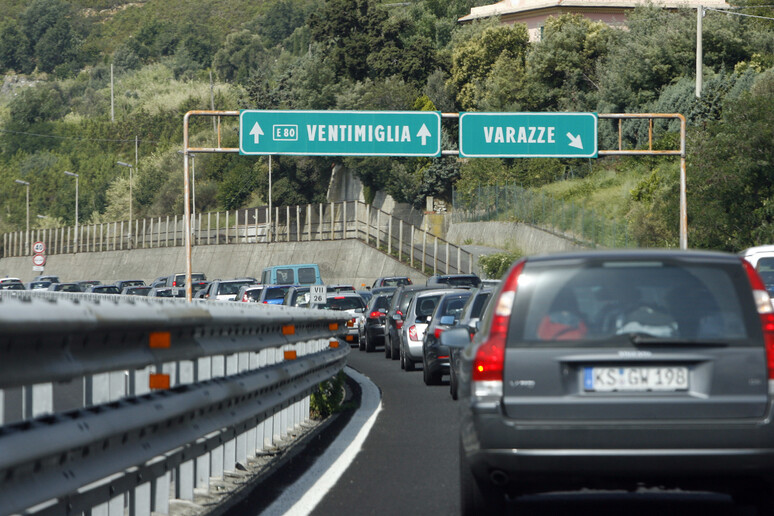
(333, 326)
(288, 329)
(158, 381)
(159, 339)
(334, 344)
(290, 355)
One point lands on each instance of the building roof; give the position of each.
(514, 8)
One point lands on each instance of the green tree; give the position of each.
(351, 31)
(562, 67)
(242, 53)
(14, 49)
(473, 60)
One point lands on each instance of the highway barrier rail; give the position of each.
(410, 244)
(114, 403)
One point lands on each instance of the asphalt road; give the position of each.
(408, 464)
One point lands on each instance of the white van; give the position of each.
(762, 258)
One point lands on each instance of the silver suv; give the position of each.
(618, 370)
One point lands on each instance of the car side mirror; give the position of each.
(455, 338)
(447, 320)
(473, 325)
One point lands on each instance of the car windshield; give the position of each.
(232, 287)
(395, 282)
(646, 298)
(343, 303)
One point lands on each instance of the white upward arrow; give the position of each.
(424, 133)
(575, 141)
(256, 132)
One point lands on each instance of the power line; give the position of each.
(75, 137)
(725, 11)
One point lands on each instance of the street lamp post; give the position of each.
(73, 174)
(27, 236)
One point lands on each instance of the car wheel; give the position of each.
(395, 353)
(369, 344)
(387, 349)
(477, 497)
(408, 362)
(452, 385)
(402, 359)
(361, 343)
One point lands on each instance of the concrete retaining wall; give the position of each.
(340, 261)
(511, 236)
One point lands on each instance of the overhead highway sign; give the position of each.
(340, 133)
(528, 135)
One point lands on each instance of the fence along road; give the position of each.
(413, 246)
(230, 379)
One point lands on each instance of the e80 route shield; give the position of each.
(340, 133)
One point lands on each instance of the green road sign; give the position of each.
(528, 135)
(340, 133)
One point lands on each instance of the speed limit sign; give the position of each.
(39, 260)
(38, 248)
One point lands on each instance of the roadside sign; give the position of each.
(318, 293)
(38, 248)
(39, 260)
(340, 133)
(528, 135)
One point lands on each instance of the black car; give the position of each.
(619, 370)
(374, 324)
(391, 281)
(103, 289)
(454, 280)
(435, 356)
(122, 284)
(395, 317)
(141, 290)
(469, 318)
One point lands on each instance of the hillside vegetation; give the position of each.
(55, 105)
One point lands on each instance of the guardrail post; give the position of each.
(378, 226)
(229, 448)
(203, 372)
(411, 249)
(320, 223)
(424, 249)
(400, 240)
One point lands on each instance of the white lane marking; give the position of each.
(303, 496)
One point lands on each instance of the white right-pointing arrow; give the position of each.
(424, 133)
(575, 141)
(256, 132)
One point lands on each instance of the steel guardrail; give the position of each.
(71, 461)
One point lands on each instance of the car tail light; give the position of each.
(438, 332)
(375, 314)
(244, 298)
(766, 312)
(399, 324)
(174, 283)
(489, 363)
(413, 332)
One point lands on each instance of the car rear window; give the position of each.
(453, 305)
(380, 302)
(276, 293)
(232, 287)
(602, 301)
(426, 305)
(307, 275)
(343, 303)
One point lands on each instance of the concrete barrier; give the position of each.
(341, 261)
(510, 235)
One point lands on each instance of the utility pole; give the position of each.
(699, 65)
(27, 236)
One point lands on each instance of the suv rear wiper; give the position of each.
(639, 339)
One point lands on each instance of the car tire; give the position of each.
(452, 385)
(361, 343)
(402, 359)
(387, 348)
(408, 363)
(369, 344)
(395, 353)
(477, 497)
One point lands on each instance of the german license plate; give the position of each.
(635, 379)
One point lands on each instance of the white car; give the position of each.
(418, 315)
